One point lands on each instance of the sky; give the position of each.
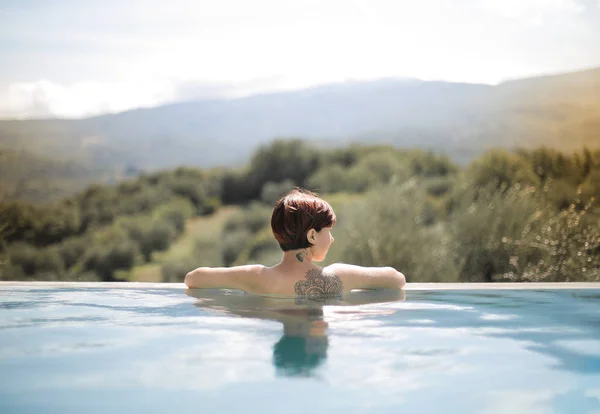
(76, 58)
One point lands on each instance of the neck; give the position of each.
(301, 257)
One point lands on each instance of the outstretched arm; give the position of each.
(358, 277)
(239, 277)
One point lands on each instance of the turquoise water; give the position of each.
(159, 350)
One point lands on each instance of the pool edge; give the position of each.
(409, 286)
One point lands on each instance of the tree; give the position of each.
(502, 168)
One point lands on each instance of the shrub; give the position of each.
(143, 202)
(481, 220)
(72, 250)
(150, 234)
(39, 226)
(174, 271)
(389, 229)
(503, 168)
(156, 237)
(439, 186)
(236, 187)
(272, 191)
(562, 193)
(41, 264)
(557, 247)
(261, 245)
(251, 219)
(111, 250)
(549, 163)
(175, 213)
(591, 186)
(211, 205)
(329, 179)
(233, 244)
(279, 161)
(428, 164)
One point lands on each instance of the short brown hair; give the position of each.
(295, 214)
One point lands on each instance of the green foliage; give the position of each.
(251, 219)
(480, 221)
(557, 247)
(44, 263)
(590, 188)
(175, 213)
(34, 178)
(72, 250)
(289, 161)
(503, 168)
(272, 191)
(439, 186)
(233, 244)
(377, 166)
(562, 195)
(374, 167)
(210, 206)
(416, 211)
(17, 221)
(111, 250)
(207, 251)
(330, 178)
(39, 226)
(98, 205)
(262, 245)
(394, 227)
(147, 213)
(149, 234)
(282, 160)
(429, 164)
(175, 271)
(188, 184)
(549, 163)
(240, 231)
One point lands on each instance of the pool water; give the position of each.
(102, 349)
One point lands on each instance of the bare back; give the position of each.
(297, 281)
(313, 282)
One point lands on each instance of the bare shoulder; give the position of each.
(237, 277)
(245, 269)
(359, 277)
(348, 269)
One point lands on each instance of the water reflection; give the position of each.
(561, 324)
(304, 344)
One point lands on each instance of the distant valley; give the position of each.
(461, 120)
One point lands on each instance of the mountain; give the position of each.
(560, 111)
(28, 176)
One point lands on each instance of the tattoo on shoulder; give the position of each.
(319, 284)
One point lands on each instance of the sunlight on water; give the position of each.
(159, 350)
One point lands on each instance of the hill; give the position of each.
(462, 120)
(523, 215)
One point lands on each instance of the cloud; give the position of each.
(81, 59)
(533, 12)
(593, 393)
(45, 99)
(526, 401)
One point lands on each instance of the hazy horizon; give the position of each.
(77, 59)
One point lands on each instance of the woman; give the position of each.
(301, 223)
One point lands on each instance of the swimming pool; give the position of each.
(98, 348)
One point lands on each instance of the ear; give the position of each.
(311, 236)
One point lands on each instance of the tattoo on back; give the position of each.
(319, 284)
